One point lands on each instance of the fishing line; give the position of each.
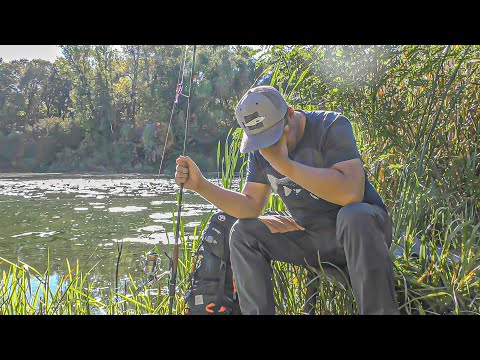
(174, 259)
(175, 101)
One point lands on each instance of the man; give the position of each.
(311, 160)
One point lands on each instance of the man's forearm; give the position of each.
(326, 183)
(232, 202)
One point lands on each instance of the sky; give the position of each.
(15, 52)
(29, 52)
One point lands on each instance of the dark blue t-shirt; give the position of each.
(327, 139)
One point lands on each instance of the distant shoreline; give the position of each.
(6, 175)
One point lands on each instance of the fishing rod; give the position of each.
(174, 259)
(152, 261)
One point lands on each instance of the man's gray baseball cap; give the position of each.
(260, 113)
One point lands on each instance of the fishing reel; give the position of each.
(152, 265)
(151, 268)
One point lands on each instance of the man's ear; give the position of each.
(290, 112)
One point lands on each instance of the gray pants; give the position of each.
(359, 239)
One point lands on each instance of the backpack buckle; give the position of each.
(223, 264)
(209, 309)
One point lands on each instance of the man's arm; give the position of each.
(342, 184)
(247, 204)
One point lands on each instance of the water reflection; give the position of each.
(47, 219)
(37, 290)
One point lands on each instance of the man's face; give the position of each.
(291, 133)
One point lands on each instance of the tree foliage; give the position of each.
(107, 108)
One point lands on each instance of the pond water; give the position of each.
(49, 218)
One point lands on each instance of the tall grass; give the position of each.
(415, 115)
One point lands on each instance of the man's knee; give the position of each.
(357, 221)
(244, 230)
(359, 226)
(354, 215)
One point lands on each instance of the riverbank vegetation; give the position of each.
(101, 108)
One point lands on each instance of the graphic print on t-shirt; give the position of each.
(289, 186)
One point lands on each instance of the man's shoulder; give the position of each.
(254, 155)
(326, 117)
(323, 125)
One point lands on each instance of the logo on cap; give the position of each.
(256, 123)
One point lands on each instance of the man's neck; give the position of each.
(300, 120)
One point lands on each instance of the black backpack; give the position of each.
(211, 289)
